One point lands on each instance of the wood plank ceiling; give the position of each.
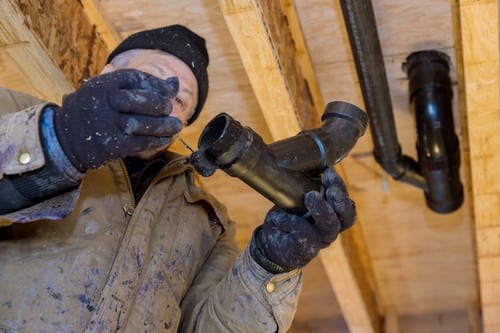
(403, 263)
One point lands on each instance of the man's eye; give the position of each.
(179, 101)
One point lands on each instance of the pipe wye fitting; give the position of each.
(287, 169)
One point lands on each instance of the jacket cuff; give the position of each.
(260, 258)
(279, 291)
(54, 151)
(20, 146)
(56, 176)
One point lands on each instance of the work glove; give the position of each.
(114, 115)
(286, 241)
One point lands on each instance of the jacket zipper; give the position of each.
(128, 209)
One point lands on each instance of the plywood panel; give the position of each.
(67, 35)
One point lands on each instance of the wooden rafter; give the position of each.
(30, 55)
(274, 90)
(274, 54)
(104, 26)
(55, 48)
(478, 65)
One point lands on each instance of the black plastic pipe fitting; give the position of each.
(287, 169)
(430, 94)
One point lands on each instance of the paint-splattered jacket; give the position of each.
(167, 264)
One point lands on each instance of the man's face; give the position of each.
(163, 66)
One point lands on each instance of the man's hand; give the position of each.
(286, 241)
(115, 115)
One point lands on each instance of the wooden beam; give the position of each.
(259, 54)
(55, 48)
(473, 313)
(293, 62)
(302, 57)
(274, 54)
(476, 26)
(30, 55)
(351, 276)
(391, 323)
(104, 26)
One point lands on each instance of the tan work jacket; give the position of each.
(92, 260)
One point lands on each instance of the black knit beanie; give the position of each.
(180, 42)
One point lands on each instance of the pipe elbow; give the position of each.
(404, 169)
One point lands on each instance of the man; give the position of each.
(104, 230)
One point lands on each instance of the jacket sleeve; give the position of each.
(231, 295)
(23, 161)
(20, 146)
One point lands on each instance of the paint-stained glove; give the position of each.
(286, 241)
(115, 115)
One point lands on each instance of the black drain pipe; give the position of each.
(438, 148)
(442, 193)
(365, 47)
